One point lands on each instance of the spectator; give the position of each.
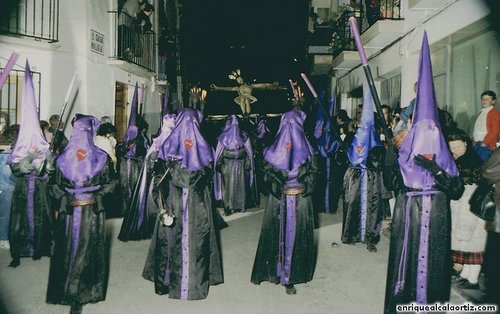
(7, 181)
(491, 172)
(106, 119)
(4, 121)
(105, 140)
(45, 130)
(468, 236)
(487, 126)
(56, 129)
(142, 22)
(406, 112)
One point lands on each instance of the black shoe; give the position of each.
(460, 279)
(290, 289)
(371, 247)
(15, 262)
(227, 212)
(76, 308)
(36, 257)
(468, 285)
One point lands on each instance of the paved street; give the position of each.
(348, 279)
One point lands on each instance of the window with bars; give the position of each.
(38, 19)
(11, 94)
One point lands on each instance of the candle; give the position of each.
(293, 90)
(8, 68)
(357, 39)
(309, 85)
(68, 92)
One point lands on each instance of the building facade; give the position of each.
(465, 52)
(97, 39)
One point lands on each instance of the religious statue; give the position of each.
(245, 97)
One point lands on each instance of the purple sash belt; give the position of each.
(423, 249)
(287, 230)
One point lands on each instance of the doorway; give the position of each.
(121, 103)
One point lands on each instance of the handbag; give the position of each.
(482, 202)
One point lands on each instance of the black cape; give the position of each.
(23, 242)
(235, 168)
(439, 243)
(201, 264)
(303, 257)
(351, 223)
(132, 227)
(84, 279)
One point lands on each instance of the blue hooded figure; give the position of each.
(362, 181)
(328, 144)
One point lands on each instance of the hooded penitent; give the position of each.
(425, 136)
(30, 139)
(262, 129)
(365, 139)
(366, 136)
(232, 138)
(81, 160)
(137, 223)
(326, 142)
(290, 148)
(186, 144)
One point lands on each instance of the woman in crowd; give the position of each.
(8, 137)
(468, 235)
(285, 253)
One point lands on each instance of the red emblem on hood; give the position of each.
(288, 146)
(359, 149)
(428, 156)
(188, 144)
(81, 154)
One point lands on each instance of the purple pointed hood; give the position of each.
(30, 138)
(232, 137)
(366, 136)
(132, 129)
(167, 125)
(81, 160)
(290, 148)
(425, 136)
(186, 144)
(262, 129)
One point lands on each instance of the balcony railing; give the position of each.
(133, 44)
(342, 38)
(38, 19)
(383, 10)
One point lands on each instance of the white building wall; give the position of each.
(403, 55)
(58, 61)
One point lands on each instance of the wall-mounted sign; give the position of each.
(96, 42)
